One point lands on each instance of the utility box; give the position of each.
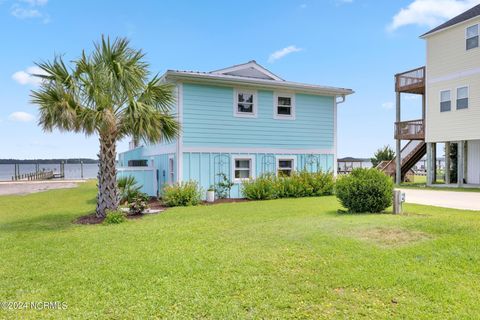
(398, 200)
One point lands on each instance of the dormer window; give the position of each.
(472, 37)
(284, 106)
(245, 104)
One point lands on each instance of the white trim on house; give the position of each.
(277, 116)
(251, 64)
(171, 180)
(254, 112)
(335, 139)
(278, 158)
(249, 150)
(447, 28)
(242, 157)
(455, 75)
(180, 136)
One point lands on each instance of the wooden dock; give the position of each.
(38, 174)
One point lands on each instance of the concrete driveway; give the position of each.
(446, 199)
(26, 187)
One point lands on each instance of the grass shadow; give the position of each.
(53, 222)
(346, 213)
(91, 201)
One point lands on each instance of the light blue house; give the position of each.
(240, 121)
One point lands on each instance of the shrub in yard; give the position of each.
(138, 204)
(182, 194)
(114, 217)
(365, 190)
(128, 188)
(299, 184)
(317, 183)
(262, 188)
(290, 187)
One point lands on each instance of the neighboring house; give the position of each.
(347, 164)
(240, 122)
(450, 90)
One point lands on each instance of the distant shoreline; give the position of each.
(48, 161)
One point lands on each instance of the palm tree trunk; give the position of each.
(107, 198)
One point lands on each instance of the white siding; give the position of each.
(473, 162)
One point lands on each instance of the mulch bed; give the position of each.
(152, 204)
(93, 219)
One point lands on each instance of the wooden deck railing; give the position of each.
(412, 81)
(410, 130)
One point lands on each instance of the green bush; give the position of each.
(299, 184)
(182, 194)
(365, 190)
(290, 187)
(114, 217)
(138, 204)
(317, 184)
(262, 188)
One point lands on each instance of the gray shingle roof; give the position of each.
(469, 14)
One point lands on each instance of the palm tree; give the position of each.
(108, 93)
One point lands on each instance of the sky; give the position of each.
(357, 44)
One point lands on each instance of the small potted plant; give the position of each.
(211, 194)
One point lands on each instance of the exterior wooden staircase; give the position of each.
(413, 152)
(411, 82)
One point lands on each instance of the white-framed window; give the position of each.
(284, 106)
(245, 103)
(471, 36)
(462, 98)
(445, 101)
(285, 166)
(171, 170)
(243, 168)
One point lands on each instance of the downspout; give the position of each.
(342, 101)
(335, 139)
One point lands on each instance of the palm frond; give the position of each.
(159, 94)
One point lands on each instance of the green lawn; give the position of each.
(293, 258)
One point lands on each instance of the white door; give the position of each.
(473, 162)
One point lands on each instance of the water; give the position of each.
(72, 171)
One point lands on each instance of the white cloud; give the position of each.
(21, 116)
(429, 13)
(279, 54)
(25, 77)
(26, 9)
(24, 13)
(388, 105)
